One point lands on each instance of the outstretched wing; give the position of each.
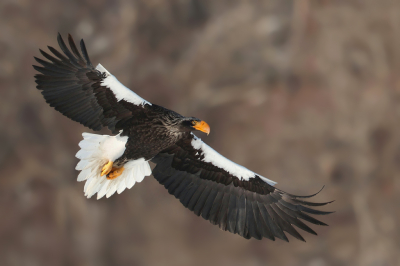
(229, 195)
(88, 95)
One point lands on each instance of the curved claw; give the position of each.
(106, 168)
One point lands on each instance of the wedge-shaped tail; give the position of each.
(96, 151)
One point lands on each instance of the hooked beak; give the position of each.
(202, 126)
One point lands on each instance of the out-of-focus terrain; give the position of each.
(306, 93)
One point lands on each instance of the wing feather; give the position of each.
(239, 202)
(88, 95)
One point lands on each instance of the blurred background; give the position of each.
(306, 93)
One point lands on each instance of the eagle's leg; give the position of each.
(115, 172)
(106, 168)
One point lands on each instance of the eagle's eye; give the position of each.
(194, 122)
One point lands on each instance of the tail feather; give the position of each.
(140, 175)
(84, 164)
(112, 189)
(103, 189)
(121, 187)
(130, 181)
(92, 137)
(84, 174)
(85, 154)
(147, 169)
(88, 145)
(96, 151)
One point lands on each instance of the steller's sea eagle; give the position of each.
(221, 191)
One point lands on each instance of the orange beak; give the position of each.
(202, 126)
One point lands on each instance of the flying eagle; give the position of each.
(221, 191)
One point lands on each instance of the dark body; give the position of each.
(150, 132)
(250, 207)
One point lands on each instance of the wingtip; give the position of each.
(308, 203)
(70, 37)
(304, 197)
(60, 41)
(310, 196)
(299, 237)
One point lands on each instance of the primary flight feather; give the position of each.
(221, 191)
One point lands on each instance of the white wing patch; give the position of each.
(120, 91)
(213, 157)
(96, 151)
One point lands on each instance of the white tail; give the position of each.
(96, 151)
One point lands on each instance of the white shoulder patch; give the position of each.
(213, 157)
(120, 91)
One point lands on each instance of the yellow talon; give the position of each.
(106, 168)
(115, 172)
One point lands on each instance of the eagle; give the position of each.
(210, 185)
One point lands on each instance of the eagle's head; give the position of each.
(193, 123)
